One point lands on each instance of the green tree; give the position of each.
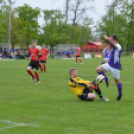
(53, 27)
(28, 22)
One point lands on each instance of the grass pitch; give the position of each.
(51, 108)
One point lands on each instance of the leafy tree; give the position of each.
(28, 22)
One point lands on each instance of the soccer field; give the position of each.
(51, 108)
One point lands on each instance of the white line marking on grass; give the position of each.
(6, 60)
(15, 124)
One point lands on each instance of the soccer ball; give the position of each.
(100, 78)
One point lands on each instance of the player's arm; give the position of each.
(110, 41)
(79, 82)
(29, 54)
(48, 54)
(40, 55)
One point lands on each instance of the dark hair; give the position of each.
(115, 37)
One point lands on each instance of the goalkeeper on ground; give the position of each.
(83, 89)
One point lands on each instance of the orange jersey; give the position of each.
(34, 52)
(44, 52)
(78, 51)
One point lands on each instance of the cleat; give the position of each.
(104, 99)
(41, 71)
(37, 82)
(118, 98)
(33, 78)
(81, 63)
(107, 82)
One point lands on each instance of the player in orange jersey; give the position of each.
(45, 54)
(78, 55)
(34, 64)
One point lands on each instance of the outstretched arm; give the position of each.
(110, 41)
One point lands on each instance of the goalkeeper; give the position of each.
(83, 89)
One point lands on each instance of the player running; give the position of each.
(34, 64)
(106, 53)
(45, 54)
(78, 55)
(83, 89)
(114, 63)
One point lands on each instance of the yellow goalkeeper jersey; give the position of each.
(77, 85)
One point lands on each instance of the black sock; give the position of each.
(98, 91)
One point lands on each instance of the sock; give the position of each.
(120, 89)
(80, 60)
(103, 62)
(76, 60)
(106, 78)
(40, 67)
(30, 73)
(97, 89)
(37, 76)
(44, 67)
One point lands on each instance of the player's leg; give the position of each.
(119, 86)
(91, 96)
(116, 74)
(37, 76)
(44, 67)
(101, 69)
(29, 71)
(80, 60)
(40, 66)
(87, 95)
(97, 90)
(36, 67)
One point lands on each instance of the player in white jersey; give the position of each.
(106, 53)
(114, 64)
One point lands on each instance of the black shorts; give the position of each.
(43, 61)
(77, 56)
(84, 95)
(34, 65)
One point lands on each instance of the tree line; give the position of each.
(72, 27)
(119, 20)
(25, 27)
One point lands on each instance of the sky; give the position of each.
(99, 7)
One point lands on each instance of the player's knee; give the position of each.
(91, 96)
(117, 81)
(97, 69)
(35, 70)
(28, 68)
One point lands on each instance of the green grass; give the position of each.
(53, 107)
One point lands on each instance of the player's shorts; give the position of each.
(115, 72)
(43, 61)
(34, 65)
(77, 56)
(84, 95)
